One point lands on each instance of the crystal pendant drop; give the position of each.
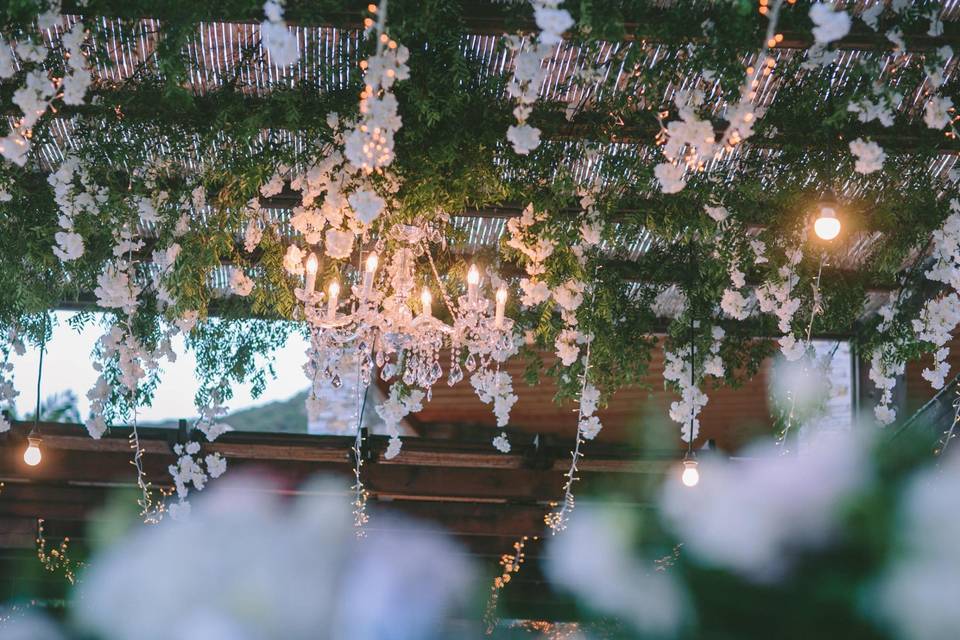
(471, 362)
(336, 382)
(436, 372)
(456, 375)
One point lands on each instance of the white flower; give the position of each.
(830, 25)
(393, 447)
(567, 348)
(216, 465)
(252, 235)
(591, 232)
(280, 43)
(590, 427)
(916, 592)
(115, 289)
(501, 443)
(552, 22)
(870, 156)
(717, 213)
(569, 295)
(792, 348)
(937, 112)
(495, 387)
(596, 559)
(885, 415)
(589, 399)
(757, 513)
(240, 284)
(268, 567)
(524, 138)
(669, 303)
(293, 260)
(534, 292)
(670, 177)
(366, 205)
(69, 245)
(338, 244)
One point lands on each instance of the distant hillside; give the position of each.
(282, 416)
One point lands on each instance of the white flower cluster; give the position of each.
(8, 392)
(830, 25)
(38, 90)
(774, 296)
(240, 283)
(191, 469)
(337, 203)
(132, 360)
(495, 387)
(596, 559)
(279, 41)
(882, 108)
(870, 156)
(267, 565)
(939, 317)
(885, 366)
(210, 421)
(394, 409)
(589, 425)
(529, 72)
(938, 112)
(757, 515)
(535, 248)
(669, 303)
(689, 141)
(677, 370)
(77, 80)
(936, 323)
(116, 288)
(75, 193)
(369, 145)
(916, 592)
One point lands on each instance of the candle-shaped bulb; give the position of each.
(473, 280)
(310, 281)
(501, 306)
(426, 299)
(371, 267)
(333, 293)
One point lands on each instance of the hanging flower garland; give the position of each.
(529, 72)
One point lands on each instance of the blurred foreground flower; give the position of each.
(248, 566)
(752, 515)
(918, 593)
(594, 559)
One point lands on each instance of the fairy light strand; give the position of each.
(57, 559)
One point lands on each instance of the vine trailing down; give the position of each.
(292, 193)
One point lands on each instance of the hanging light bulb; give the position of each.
(32, 454)
(691, 474)
(827, 225)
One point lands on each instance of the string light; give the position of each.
(827, 225)
(691, 474)
(32, 454)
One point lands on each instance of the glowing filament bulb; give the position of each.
(426, 299)
(501, 306)
(827, 225)
(32, 454)
(311, 279)
(691, 475)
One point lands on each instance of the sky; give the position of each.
(68, 365)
